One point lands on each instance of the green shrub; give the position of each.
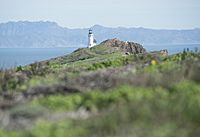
(27, 111)
(59, 102)
(124, 111)
(95, 100)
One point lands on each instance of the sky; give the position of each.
(156, 14)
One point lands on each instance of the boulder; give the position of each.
(125, 47)
(164, 52)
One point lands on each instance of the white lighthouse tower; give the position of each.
(91, 40)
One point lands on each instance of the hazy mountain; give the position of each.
(49, 34)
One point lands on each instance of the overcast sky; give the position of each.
(165, 14)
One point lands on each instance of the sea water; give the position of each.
(172, 49)
(12, 57)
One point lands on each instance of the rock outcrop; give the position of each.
(164, 52)
(125, 47)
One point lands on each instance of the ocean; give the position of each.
(172, 49)
(12, 57)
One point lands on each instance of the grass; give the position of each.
(122, 110)
(126, 95)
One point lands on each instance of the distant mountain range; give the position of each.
(50, 34)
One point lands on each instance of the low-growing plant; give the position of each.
(125, 111)
(27, 111)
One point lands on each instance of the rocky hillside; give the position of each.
(49, 34)
(103, 92)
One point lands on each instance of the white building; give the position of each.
(91, 40)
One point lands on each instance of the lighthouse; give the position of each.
(91, 40)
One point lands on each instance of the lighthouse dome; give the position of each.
(90, 31)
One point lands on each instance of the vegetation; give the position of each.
(100, 93)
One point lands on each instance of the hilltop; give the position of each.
(111, 90)
(49, 34)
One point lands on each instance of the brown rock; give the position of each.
(164, 52)
(125, 47)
